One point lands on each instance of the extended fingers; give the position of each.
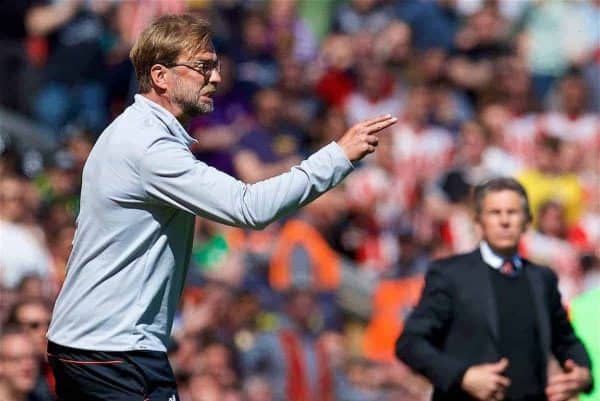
(376, 120)
(381, 125)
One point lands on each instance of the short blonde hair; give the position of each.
(164, 41)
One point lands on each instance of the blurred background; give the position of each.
(482, 88)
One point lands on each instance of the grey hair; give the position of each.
(501, 184)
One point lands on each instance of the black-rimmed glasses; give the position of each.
(204, 67)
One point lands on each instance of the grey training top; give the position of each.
(141, 189)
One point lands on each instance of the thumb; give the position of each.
(569, 365)
(499, 366)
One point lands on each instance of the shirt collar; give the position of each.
(494, 260)
(167, 118)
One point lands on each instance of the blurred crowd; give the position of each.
(309, 308)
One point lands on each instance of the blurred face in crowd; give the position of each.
(472, 143)
(337, 52)
(552, 219)
(11, 199)
(485, 25)
(62, 243)
(31, 287)
(292, 76)
(573, 93)
(31, 201)
(282, 12)
(373, 77)
(571, 157)
(393, 44)
(18, 363)
(495, 117)
(80, 147)
(432, 63)
(192, 84)
(63, 181)
(301, 308)
(258, 389)
(502, 220)
(363, 43)
(334, 125)
(514, 81)
(268, 104)
(547, 155)
(34, 317)
(205, 387)
(255, 34)
(364, 5)
(215, 358)
(418, 104)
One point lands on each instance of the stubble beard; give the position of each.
(189, 100)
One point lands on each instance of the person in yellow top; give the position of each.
(548, 181)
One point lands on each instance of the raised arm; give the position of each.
(171, 174)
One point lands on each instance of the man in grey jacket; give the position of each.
(141, 190)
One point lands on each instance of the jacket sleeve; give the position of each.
(565, 344)
(171, 174)
(425, 330)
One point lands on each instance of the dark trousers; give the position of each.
(83, 375)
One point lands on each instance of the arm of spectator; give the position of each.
(44, 19)
(425, 329)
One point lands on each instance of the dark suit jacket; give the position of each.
(455, 324)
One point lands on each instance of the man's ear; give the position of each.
(528, 223)
(158, 75)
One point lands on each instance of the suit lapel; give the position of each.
(536, 283)
(484, 293)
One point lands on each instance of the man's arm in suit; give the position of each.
(425, 330)
(565, 344)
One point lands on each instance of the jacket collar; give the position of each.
(494, 260)
(166, 118)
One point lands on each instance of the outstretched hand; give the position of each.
(360, 140)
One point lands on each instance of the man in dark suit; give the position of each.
(488, 320)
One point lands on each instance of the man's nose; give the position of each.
(215, 76)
